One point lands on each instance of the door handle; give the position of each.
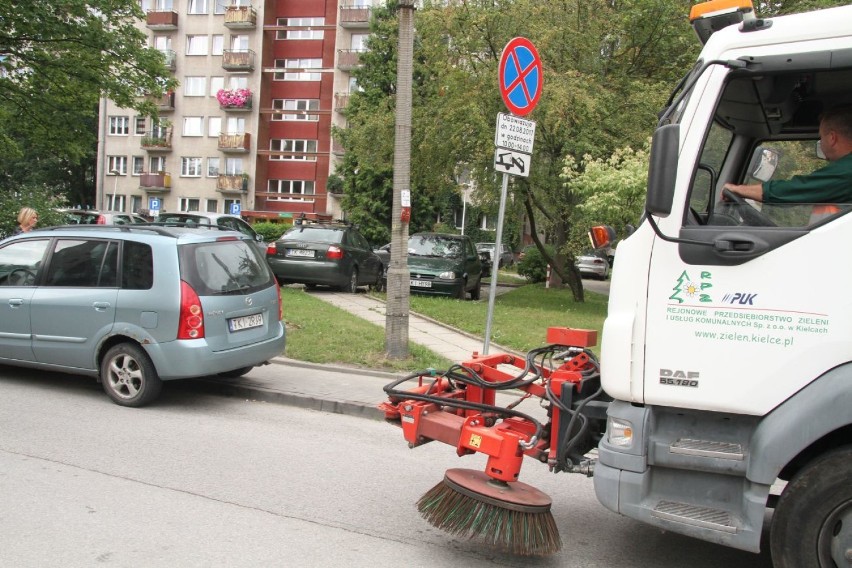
(100, 306)
(16, 302)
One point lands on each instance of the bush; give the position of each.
(533, 267)
(271, 231)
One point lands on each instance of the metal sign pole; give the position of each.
(495, 263)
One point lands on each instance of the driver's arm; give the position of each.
(754, 191)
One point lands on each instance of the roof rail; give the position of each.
(120, 228)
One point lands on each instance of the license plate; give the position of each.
(300, 252)
(245, 322)
(421, 283)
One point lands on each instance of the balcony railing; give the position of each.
(238, 108)
(231, 184)
(170, 57)
(240, 17)
(341, 101)
(162, 20)
(238, 60)
(355, 16)
(349, 59)
(157, 141)
(158, 182)
(166, 102)
(235, 143)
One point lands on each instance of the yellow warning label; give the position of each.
(475, 441)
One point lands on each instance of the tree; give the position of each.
(56, 61)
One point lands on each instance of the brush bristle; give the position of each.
(529, 534)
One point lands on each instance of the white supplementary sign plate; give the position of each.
(514, 133)
(512, 163)
(245, 322)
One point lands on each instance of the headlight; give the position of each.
(447, 275)
(619, 432)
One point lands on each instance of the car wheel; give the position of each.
(129, 377)
(378, 285)
(352, 287)
(236, 373)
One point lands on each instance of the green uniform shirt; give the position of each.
(829, 184)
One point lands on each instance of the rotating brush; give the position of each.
(513, 516)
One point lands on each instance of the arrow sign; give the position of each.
(512, 163)
(521, 76)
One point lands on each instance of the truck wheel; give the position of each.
(812, 525)
(129, 377)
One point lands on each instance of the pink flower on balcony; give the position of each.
(238, 98)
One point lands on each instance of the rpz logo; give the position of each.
(742, 298)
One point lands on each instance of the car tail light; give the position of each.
(191, 322)
(271, 248)
(101, 220)
(334, 253)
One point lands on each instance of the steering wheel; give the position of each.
(20, 277)
(749, 214)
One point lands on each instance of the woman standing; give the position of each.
(27, 219)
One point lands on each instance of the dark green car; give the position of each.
(444, 265)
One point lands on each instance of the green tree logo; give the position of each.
(687, 289)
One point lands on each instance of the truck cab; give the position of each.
(728, 340)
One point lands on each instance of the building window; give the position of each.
(236, 125)
(188, 204)
(119, 125)
(238, 82)
(213, 167)
(290, 146)
(135, 203)
(300, 34)
(216, 83)
(358, 42)
(212, 205)
(196, 7)
(157, 164)
(190, 167)
(218, 45)
(156, 5)
(289, 189)
(139, 126)
(115, 202)
(300, 105)
(300, 64)
(193, 126)
(214, 126)
(233, 166)
(117, 165)
(138, 165)
(194, 86)
(240, 42)
(219, 7)
(229, 203)
(196, 45)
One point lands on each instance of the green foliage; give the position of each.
(271, 231)
(43, 199)
(533, 266)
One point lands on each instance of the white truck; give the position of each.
(724, 387)
(727, 346)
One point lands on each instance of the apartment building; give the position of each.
(248, 131)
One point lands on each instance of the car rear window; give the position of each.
(224, 267)
(314, 235)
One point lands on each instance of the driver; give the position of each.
(830, 184)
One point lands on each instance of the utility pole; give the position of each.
(396, 318)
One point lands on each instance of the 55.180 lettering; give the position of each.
(678, 382)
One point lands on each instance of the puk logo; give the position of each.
(687, 289)
(741, 298)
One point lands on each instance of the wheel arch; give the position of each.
(110, 342)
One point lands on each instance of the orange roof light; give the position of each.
(718, 7)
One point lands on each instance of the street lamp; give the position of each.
(114, 189)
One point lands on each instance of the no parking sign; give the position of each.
(521, 76)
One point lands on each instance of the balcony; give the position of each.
(170, 57)
(354, 17)
(341, 101)
(166, 102)
(234, 100)
(238, 60)
(349, 59)
(162, 20)
(232, 184)
(157, 141)
(240, 17)
(155, 183)
(235, 143)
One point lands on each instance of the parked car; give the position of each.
(325, 254)
(95, 217)
(444, 264)
(593, 263)
(196, 218)
(137, 305)
(507, 258)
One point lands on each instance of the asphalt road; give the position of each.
(201, 480)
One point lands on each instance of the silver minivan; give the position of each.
(136, 305)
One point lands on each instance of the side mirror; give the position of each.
(819, 153)
(764, 162)
(662, 171)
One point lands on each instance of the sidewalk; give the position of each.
(338, 389)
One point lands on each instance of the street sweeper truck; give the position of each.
(723, 389)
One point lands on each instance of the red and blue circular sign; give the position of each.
(521, 76)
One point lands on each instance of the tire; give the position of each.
(812, 525)
(129, 377)
(236, 373)
(352, 286)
